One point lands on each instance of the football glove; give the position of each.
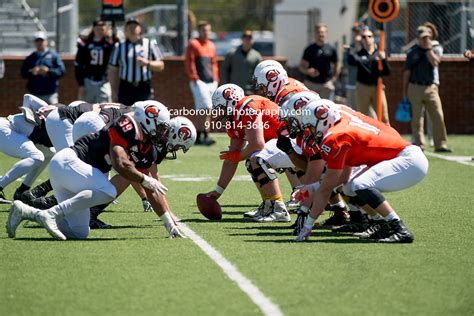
(153, 185)
(284, 144)
(302, 212)
(173, 230)
(303, 235)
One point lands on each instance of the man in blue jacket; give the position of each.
(42, 69)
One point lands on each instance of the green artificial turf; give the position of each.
(133, 268)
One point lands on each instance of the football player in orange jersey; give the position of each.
(251, 123)
(272, 81)
(392, 164)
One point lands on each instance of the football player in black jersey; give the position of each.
(24, 136)
(78, 179)
(92, 58)
(182, 136)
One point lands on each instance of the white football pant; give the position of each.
(34, 158)
(405, 170)
(59, 131)
(77, 186)
(276, 158)
(88, 123)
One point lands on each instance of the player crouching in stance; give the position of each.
(182, 136)
(392, 164)
(252, 122)
(78, 179)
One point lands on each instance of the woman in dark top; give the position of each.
(366, 61)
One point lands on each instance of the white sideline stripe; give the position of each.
(253, 292)
(463, 160)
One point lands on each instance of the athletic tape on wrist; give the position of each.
(219, 189)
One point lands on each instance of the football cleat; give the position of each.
(3, 199)
(43, 203)
(292, 204)
(96, 223)
(378, 229)
(273, 211)
(18, 192)
(339, 217)
(299, 223)
(47, 218)
(147, 206)
(358, 223)
(255, 212)
(400, 233)
(15, 217)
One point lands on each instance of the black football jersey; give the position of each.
(92, 59)
(94, 149)
(73, 112)
(40, 136)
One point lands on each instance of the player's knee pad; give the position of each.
(262, 169)
(355, 200)
(370, 196)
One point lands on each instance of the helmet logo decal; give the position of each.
(184, 133)
(152, 111)
(300, 103)
(272, 75)
(321, 112)
(228, 93)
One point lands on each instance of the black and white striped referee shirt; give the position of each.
(125, 56)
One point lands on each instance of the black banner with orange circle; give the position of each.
(383, 11)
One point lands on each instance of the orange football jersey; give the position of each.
(247, 110)
(293, 86)
(356, 142)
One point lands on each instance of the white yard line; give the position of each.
(253, 292)
(463, 160)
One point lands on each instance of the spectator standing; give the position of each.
(320, 64)
(131, 65)
(92, 57)
(355, 46)
(420, 85)
(240, 63)
(42, 69)
(366, 61)
(201, 66)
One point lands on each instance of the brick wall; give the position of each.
(171, 88)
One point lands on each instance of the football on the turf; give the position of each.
(209, 207)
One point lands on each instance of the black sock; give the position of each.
(205, 135)
(198, 137)
(23, 187)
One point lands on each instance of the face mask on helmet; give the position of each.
(153, 119)
(319, 116)
(270, 80)
(182, 136)
(225, 99)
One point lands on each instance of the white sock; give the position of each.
(392, 216)
(309, 222)
(166, 218)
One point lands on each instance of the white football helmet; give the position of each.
(269, 80)
(291, 110)
(182, 135)
(263, 64)
(153, 118)
(225, 98)
(319, 116)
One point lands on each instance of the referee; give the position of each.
(131, 64)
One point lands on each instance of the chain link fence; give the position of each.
(454, 20)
